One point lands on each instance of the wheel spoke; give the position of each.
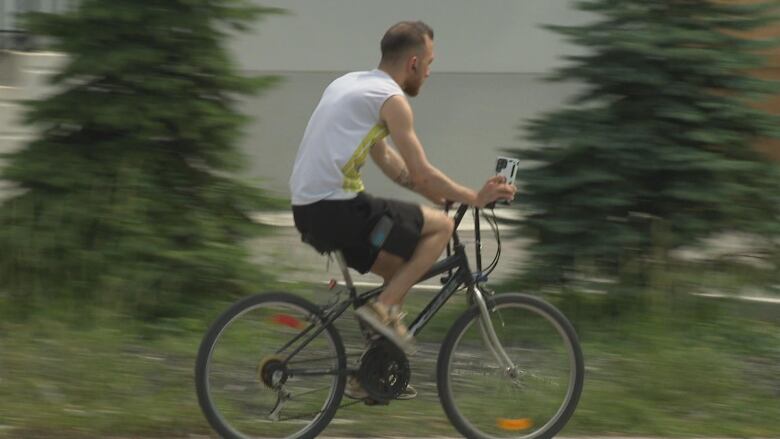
(533, 399)
(245, 386)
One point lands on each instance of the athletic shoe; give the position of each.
(408, 393)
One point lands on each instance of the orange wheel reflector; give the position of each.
(514, 424)
(287, 320)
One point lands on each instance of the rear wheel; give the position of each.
(483, 399)
(247, 388)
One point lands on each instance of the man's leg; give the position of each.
(436, 232)
(400, 276)
(386, 265)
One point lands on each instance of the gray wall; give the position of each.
(491, 56)
(486, 36)
(463, 120)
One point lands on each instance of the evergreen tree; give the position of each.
(129, 192)
(657, 151)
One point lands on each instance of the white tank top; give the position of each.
(341, 131)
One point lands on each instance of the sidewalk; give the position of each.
(283, 250)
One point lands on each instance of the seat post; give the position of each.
(344, 270)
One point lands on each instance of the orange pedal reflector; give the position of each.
(514, 424)
(287, 320)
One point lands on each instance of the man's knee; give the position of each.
(449, 226)
(444, 224)
(437, 222)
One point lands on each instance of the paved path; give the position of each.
(283, 250)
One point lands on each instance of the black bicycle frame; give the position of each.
(457, 261)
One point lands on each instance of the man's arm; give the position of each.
(422, 176)
(393, 166)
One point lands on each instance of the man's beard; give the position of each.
(412, 87)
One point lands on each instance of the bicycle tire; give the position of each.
(485, 430)
(212, 337)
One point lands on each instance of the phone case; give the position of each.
(507, 167)
(380, 232)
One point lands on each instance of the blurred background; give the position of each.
(146, 147)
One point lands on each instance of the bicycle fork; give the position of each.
(489, 334)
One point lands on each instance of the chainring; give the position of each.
(384, 371)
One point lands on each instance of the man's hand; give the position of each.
(495, 189)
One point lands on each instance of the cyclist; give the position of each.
(397, 240)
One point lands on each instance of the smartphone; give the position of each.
(507, 168)
(380, 232)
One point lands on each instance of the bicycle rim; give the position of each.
(486, 400)
(242, 393)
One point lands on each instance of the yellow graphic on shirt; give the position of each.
(351, 171)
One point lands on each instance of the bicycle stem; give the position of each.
(488, 332)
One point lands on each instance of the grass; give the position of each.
(699, 368)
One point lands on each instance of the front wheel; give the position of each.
(252, 383)
(534, 399)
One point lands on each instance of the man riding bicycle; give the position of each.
(397, 240)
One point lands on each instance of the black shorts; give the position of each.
(346, 225)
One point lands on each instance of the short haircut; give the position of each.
(403, 36)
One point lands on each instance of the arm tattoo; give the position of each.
(404, 180)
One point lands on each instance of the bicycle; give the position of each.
(274, 364)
